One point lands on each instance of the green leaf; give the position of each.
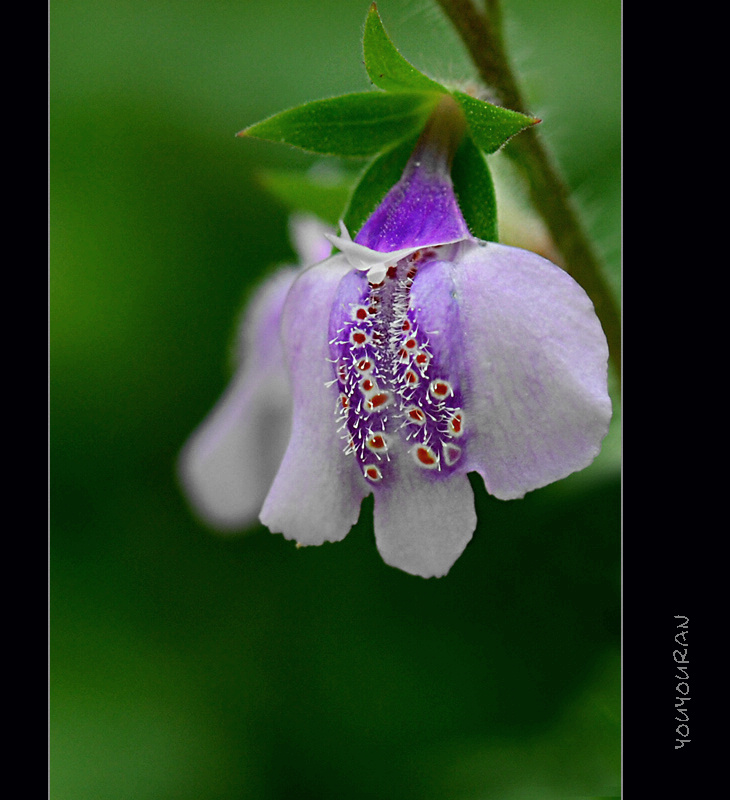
(491, 126)
(325, 197)
(386, 67)
(475, 190)
(352, 125)
(377, 179)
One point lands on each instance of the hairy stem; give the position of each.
(481, 32)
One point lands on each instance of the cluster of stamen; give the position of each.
(391, 389)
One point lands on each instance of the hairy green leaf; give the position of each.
(386, 66)
(475, 190)
(352, 125)
(491, 126)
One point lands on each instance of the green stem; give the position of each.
(482, 35)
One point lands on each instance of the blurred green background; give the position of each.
(186, 665)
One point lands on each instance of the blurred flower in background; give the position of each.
(229, 462)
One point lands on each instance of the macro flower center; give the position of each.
(394, 397)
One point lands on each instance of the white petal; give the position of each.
(374, 262)
(422, 523)
(537, 359)
(317, 491)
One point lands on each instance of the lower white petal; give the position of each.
(422, 523)
(317, 491)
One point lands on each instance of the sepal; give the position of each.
(475, 191)
(386, 67)
(356, 125)
(491, 126)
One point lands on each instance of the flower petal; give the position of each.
(317, 491)
(534, 359)
(229, 462)
(423, 523)
(365, 259)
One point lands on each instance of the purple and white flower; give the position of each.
(419, 354)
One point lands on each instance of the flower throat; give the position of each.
(393, 395)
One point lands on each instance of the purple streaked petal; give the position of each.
(317, 491)
(229, 462)
(423, 524)
(534, 359)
